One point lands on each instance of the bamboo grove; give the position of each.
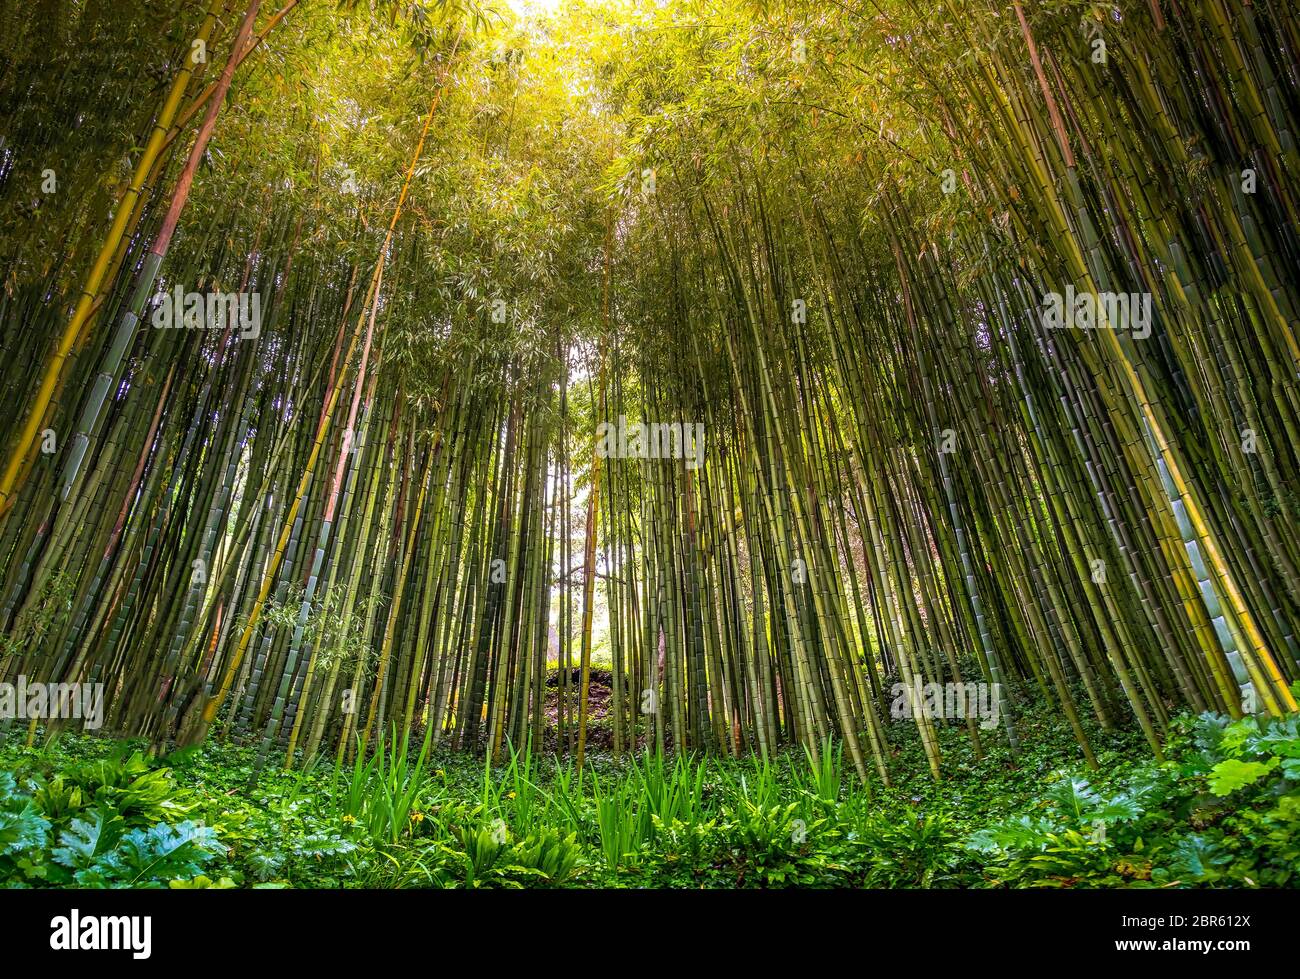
(820, 235)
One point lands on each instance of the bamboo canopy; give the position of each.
(772, 356)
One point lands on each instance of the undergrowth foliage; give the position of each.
(1223, 810)
(804, 367)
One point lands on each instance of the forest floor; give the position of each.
(1223, 810)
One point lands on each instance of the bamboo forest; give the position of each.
(674, 444)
